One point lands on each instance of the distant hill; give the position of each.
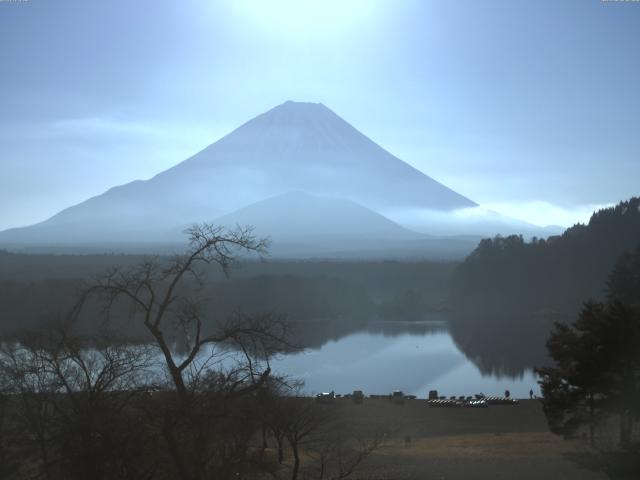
(298, 222)
(293, 147)
(298, 215)
(300, 225)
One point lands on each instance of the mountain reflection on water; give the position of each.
(379, 357)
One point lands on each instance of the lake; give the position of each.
(387, 356)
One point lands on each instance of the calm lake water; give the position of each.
(414, 358)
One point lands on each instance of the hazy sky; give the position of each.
(529, 107)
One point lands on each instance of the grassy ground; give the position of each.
(462, 443)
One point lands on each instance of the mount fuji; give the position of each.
(294, 147)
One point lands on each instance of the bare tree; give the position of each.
(316, 433)
(153, 289)
(33, 393)
(275, 416)
(71, 393)
(5, 392)
(339, 455)
(217, 363)
(303, 418)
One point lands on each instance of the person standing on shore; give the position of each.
(531, 394)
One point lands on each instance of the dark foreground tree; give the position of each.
(213, 368)
(597, 371)
(321, 442)
(595, 383)
(71, 399)
(338, 454)
(5, 465)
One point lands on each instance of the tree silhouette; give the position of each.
(597, 360)
(202, 438)
(509, 292)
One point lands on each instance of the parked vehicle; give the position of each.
(433, 394)
(445, 403)
(397, 397)
(358, 396)
(476, 404)
(325, 397)
(493, 400)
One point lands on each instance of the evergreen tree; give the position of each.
(510, 291)
(597, 360)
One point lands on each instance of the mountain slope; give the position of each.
(293, 147)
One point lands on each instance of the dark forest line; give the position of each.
(36, 290)
(507, 294)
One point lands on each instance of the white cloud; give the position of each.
(100, 125)
(494, 218)
(465, 221)
(544, 213)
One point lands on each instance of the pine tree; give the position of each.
(597, 360)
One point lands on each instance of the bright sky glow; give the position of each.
(531, 107)
(306, 19)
